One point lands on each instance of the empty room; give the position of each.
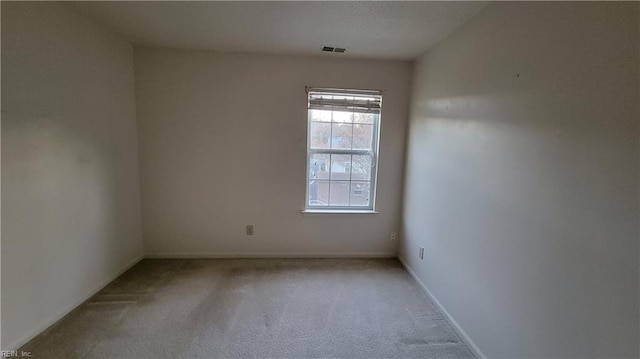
(320, 179)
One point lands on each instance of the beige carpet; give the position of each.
(255, 308)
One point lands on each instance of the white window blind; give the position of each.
(340, 100)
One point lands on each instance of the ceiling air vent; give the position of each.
(333, 49)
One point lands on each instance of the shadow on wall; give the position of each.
(59, 208)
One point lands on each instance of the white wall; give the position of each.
(522, 179)
(223, 145)
(70, 186)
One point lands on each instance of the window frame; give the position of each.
(374, 153)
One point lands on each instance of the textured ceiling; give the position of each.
(386, 30)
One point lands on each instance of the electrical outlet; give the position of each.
(249, 229)
(421, 252)
(393, 236)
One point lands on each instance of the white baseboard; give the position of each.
(170, 255)
(461, 333)
(68, 309)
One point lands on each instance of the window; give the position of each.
(342, 148)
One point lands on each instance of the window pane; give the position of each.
(340, 167)
(361, 167)
(341, 116)
(341, 135)
(320, 115)
(318, 193)
(320, 134)
(339, 193)
(363, 117)
(362, 136)
(319, 166)
(342, 148)
(360, 193)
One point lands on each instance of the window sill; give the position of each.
(339, 211)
